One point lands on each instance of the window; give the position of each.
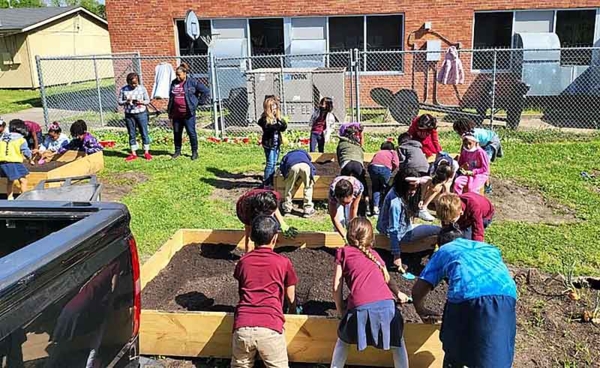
(575, 28)
(492, 31)
(345, 33)
(266, 38)
(198, 47)
(383, 33)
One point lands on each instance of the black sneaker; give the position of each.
(194, 156)
(175, 155)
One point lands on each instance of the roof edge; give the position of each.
(62, 15)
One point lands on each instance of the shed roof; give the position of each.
(26, 19)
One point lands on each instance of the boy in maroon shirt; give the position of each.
(471, 212)
(264, 278)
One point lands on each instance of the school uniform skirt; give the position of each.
(13, 170)
(378, 324)
(480, 332)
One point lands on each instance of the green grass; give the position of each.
(178, 195)
(12, 100)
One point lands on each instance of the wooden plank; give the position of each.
(161, 259)
(310, 339)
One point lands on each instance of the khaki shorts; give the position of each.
(268, 344)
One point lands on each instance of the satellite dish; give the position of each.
(192, 25)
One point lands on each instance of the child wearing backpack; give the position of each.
(371, 317)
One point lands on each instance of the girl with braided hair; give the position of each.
(371, 318)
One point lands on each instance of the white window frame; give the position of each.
(364, 48)
(512, 42)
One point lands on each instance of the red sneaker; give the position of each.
(148, 156)
(131, 158)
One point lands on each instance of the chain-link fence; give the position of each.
(385, 90)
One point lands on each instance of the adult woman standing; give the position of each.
(134, 98)
(185, 96)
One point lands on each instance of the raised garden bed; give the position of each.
(192, 294)
(71, 163)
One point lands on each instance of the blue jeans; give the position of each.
(317, 139)
(271, 157)
(380, 175)
(490, 151)
(190, 127)
(139, 121)
(468, 232)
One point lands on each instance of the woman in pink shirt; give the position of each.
(474, 166)
(380, 170)
(371, 318)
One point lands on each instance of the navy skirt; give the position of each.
(13, 170)
(379, 324)
(480, 332)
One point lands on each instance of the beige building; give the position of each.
(65, 31)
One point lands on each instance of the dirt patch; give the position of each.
(50, 165)
(229, 187)
(329, 168)
(550, 331)
(118, 185)
(211, 286)
(518, 203)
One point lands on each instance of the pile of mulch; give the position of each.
(200, 278)
(50, 165)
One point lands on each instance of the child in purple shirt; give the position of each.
(82, 140)
(474, 166)
(372, 298)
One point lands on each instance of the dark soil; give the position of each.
(330, 168)
(50, 165)
(200, 278)
(117, 185)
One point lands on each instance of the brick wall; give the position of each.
(148, 27)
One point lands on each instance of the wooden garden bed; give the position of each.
(310, 338)
(71, 163)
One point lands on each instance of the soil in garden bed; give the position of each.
(48, 166)
(330, 168)
(200, 278)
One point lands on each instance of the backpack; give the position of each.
(440, 158)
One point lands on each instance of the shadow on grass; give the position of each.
(228, 180)
(123, 154)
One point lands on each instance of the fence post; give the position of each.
(38, 64)
(213, 92)
(351, 69)
(138, 67)
(98, 90)
(357, 83)
(282, 86)
(493, 103)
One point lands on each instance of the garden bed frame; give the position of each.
(310, 338)
(78, 164)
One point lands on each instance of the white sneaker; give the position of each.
(426, 216)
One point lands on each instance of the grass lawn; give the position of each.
(12, 100)
(177, 195)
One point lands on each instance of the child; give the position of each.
(371, 317)
(424, 130)
(321, 122)
(295, 167)
(487, 139)
(2, 126)
(82, 140)
(440, 183)
(272, 126)
(479, 315)
(34, 134)
(264, 278)
(472, 213)
(381, 167)
(351, 156)
(134, 98)
(258, 202)
(13, 149)
(345, 194)
(474, 166)
(54, 141)
(401, 204)
(411, 154)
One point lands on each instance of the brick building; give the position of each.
(241, 28)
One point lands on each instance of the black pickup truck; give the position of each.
(69, 285)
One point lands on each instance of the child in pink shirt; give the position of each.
(474, 166)
(371, 317)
